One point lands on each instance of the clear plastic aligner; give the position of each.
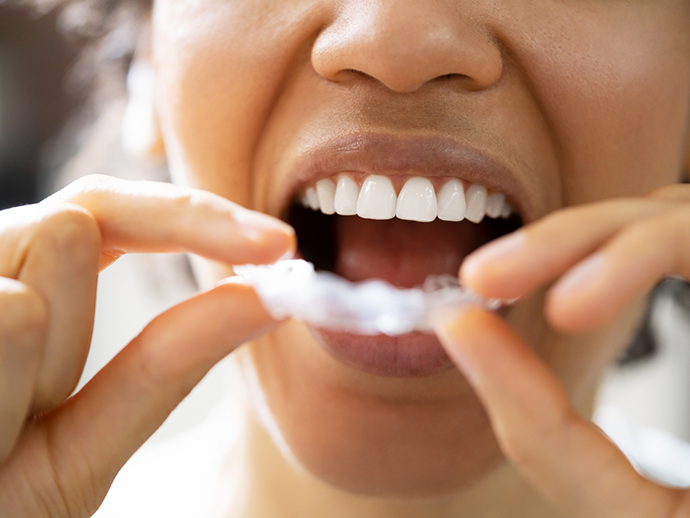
(294, 289)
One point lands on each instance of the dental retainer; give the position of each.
(294, 289)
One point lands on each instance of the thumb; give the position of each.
(567, 459)
(91, 436)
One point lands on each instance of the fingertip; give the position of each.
(275, 246)
(459, 330)
(557, 317)
(238, 287)
(273, 238)
(453, 322)
(261, 223)
(489, 270)
(470, 273)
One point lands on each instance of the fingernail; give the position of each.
(579, 277)
(261, 223)
(501, 250)
(266, 230)
(444, 315)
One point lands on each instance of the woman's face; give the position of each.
(552, 102)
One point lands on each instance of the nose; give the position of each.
(405, 44)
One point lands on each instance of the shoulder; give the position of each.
(178, 477)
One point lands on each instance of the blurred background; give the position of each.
(34, 102)
(643, 405)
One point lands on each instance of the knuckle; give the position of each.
(670, 226)
(93, 181)
(517, 450)
(517, 455)
(526, 446)
(152, 368)
(48, 396)
(72, 229)
(86, 185)
(80, 190)
(183, 199)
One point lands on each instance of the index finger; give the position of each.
(518, 263)
(153, 217)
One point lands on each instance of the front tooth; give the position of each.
(312, 198)
(494, 204)
(303, 200)
(346, 193)
(417, 201)
(476, 202)
(451, 201)
(377, 198)
(506, 210)
(325, 190)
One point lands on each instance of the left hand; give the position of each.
(603, 256)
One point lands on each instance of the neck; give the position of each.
(275, 486)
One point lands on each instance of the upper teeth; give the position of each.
(417, 201)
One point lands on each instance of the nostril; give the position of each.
(458, 80)
(351, 72)
(350, 75)
(403, 48)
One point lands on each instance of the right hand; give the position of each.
(59, 456)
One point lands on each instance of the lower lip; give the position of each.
(407, 356)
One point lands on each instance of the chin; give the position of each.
(398, 465)
(407, 437)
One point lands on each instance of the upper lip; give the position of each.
(421, 156)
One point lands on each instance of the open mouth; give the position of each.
(380, 207)
(361, 227)
(365, 226)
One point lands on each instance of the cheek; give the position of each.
(218, 74)
(183, 57)
(615, 90)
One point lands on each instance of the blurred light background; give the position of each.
(653, 394)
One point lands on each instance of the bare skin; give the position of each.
(530, 411)
(580, 101)
(59, 457)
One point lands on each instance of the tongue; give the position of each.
(403, 252)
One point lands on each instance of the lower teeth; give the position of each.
(294, 289)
